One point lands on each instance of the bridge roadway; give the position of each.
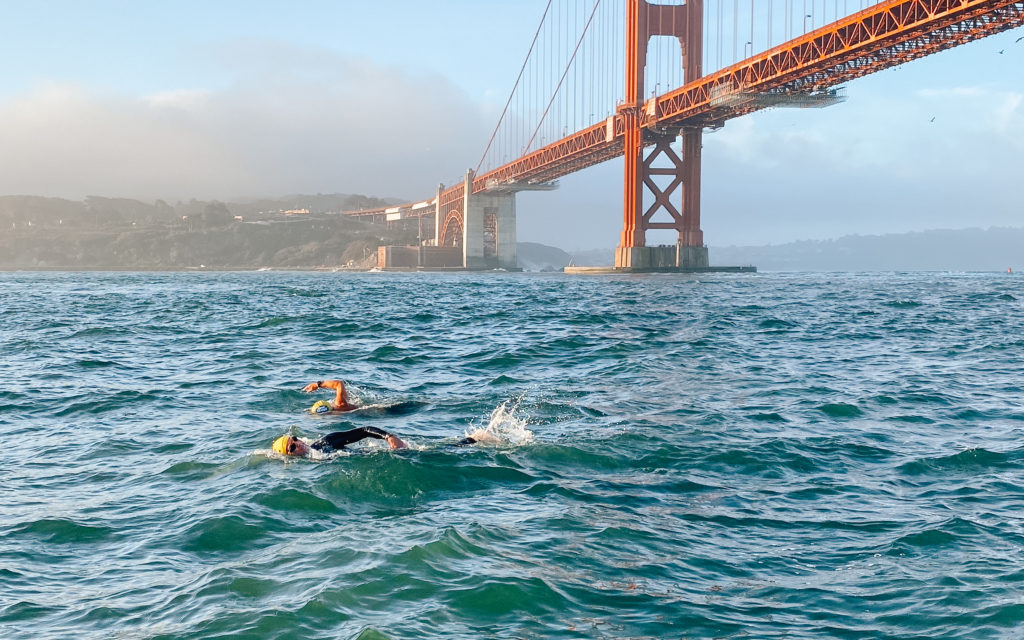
(887, 34)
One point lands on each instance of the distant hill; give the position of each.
(994, 249)
(593, 258)
(534, 256)
(50, 233)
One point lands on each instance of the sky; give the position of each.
(228, 99)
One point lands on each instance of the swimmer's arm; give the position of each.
(313, 386)
(342, 438)
(340, 400)
(393, 441)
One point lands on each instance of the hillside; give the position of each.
(49, 233)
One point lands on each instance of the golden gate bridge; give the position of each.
(605, 78)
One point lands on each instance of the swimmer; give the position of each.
(292, 446)
(340, 402)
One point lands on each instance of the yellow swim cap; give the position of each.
(320, 406)
(281, 445)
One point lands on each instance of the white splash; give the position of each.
(505, 427)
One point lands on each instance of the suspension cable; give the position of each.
(516, 86)
(564, 73)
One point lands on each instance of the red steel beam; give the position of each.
(578, 151)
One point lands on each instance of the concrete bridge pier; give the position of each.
(667, 257)
(690, 257)
(488, 229)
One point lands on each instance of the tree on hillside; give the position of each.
(215, 215)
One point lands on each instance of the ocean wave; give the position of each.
(289, 500)
(231, 533)
(840, 410)
(976, 460)
(64, 531)
(106, 402)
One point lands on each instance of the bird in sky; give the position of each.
(932, 120)
(1001, 51)
(1018, 40)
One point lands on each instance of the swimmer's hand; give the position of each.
(395, 443)
(311, 387)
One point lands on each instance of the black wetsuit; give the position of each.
(338, 439)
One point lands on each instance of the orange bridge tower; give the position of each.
(682, 174)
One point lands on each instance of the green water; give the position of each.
(722, 456)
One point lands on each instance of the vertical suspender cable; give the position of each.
(707, 30)
(789, 20)
(735, 28)
(719, 39)
(704, 30)
(567, 94)
(589, 107)
(751, 28)
(575, 78)
(610, 53)
(588, 79)
(657, 60)
(643, 63)
(569, 88)
(565, 72)
(547, 71)
(570, 19)
(598, 69)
